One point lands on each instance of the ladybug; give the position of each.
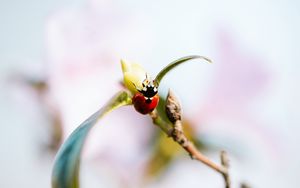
(146, 99)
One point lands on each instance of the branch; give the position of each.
(173, 111)
(225, 164)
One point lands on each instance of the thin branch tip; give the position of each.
(224, 159)
(225, 163)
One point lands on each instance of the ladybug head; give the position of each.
(149, 89)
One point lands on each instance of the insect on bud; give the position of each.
(144, 89)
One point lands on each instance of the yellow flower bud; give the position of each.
(134, 75)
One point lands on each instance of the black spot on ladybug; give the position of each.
(148, 100)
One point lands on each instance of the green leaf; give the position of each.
(173, 64)
(65, 173)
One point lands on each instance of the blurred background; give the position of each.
(60, 63)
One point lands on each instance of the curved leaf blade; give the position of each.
(175, 63)
(65, 173)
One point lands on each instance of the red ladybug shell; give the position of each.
(140, 104)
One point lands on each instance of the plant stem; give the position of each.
(175, 130)
(180, 138)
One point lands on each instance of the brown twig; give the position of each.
(173, 111)
(225, 164)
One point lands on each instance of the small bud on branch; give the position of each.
(173, 111)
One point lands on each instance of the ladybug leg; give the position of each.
(135, 86)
